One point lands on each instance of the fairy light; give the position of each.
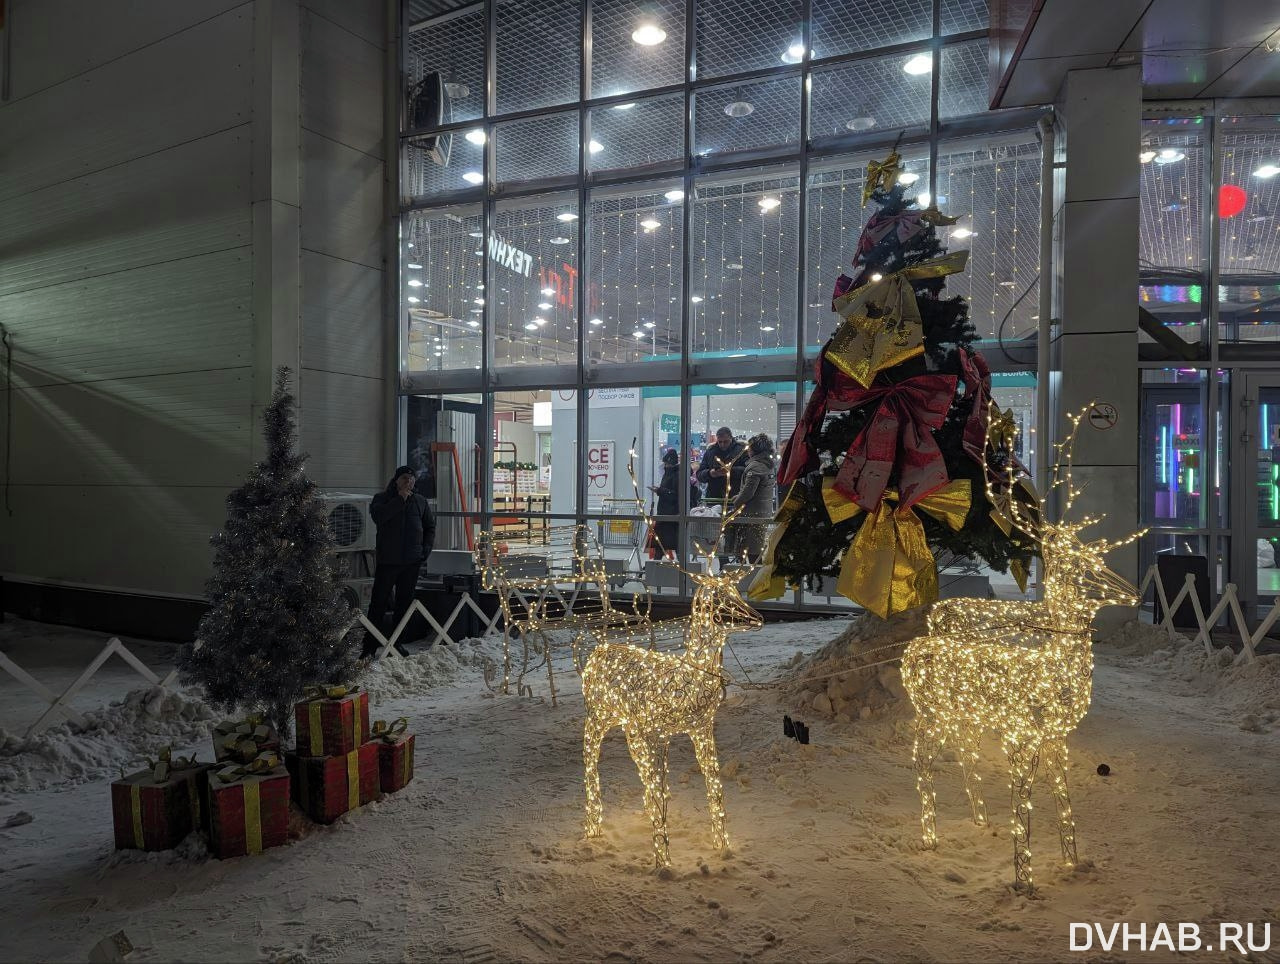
(654, 696)
(963, 683)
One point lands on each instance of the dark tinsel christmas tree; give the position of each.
(899, 431)
(277, 621)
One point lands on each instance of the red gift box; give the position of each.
(248, 814)
(332, 725)
(151, 815)
(395, 763)
(326, 787)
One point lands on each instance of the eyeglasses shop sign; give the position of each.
(600, 468)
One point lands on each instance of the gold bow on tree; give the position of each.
(766, 585)
(1002, 515)
(888, 567)
(881, 175)
(882, 326)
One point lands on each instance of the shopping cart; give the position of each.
(622, 530)
(704, 527)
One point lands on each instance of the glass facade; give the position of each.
(640, 243)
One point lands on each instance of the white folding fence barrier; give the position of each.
(385, 643)
(1229, 600)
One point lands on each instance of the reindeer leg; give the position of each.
(928, 744)
(1023, 761)
(704, 748)
(1055, 763)
(655, 804)
(592, 736)
(551, 676)
(967, 751)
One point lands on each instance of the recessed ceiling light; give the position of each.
(1146, 157)
(414, 267)
(696, 299)
(539, 322)
(768, 203)
(411, 244)
(923, 199)
(595, 147)
(473, 177)
(480, 287)
(676, 194)
(531, 327)
(650, 324)
(558, 239)
(544, 305)
(863, 123)
(475, 136)
(766, 327)
(1170, 155)
(739, 108)
(412, 300)
(566, 216)
(477, 311)
(415, 283)
(907, 177)
(596, 321)
(919, 64)
(1267, 170)
(961, 233)
(650, 224)
(477, 301)
(733, 266)
(648, 34)
(473, 323)
(794, 54)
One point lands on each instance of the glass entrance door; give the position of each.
(1256, 479)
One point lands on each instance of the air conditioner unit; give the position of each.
(358, 593)
(349, 522)
(428, 108)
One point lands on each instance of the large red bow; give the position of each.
(977, 385)
(907, 224)
(899, 435)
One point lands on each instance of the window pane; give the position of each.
(1172, 436)
(454, 48)
(539, 42)
(747, 116)
(533, 252)
(745, 238)
(534, 445)
(425, 176)
(965, 82)
(445, 436)
(734, 37)
(621, 64)
(886, 97)
(637, 134)
(539, 147)
(443, 300)
(636, 240)
(840, 27)
(1249, 230)
(1181, 309)
(961, 16)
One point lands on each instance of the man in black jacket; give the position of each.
(722, 466)
(406, 532)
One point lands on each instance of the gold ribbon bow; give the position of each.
(881, 175)
(882, 326)
(1002, 429)
(165, 762)
(766, 585)
(389, 732)
(888, 567)
(1002, 516)
(931, 215)
(324, 691)
(264, 762)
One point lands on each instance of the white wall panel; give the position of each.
(180, 429)
(341, 201)
(342, 430)
(57, 39)
(187, 200)
(342, 79)
(141, 538)
(188, 315)
(190, 84)
(342, 327)
(364, 18)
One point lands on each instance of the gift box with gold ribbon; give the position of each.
(327, 787)
(248, 807)
(395, 754)
(242, 740)
(156, 808)
(332, 721)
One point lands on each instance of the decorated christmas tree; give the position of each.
(277, 621)
(885, 471)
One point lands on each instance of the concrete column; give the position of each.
(276, 184)
(1096, 353)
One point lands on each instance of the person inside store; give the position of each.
(668, 492)
(722, 467)
(406, 533)
(755, 499)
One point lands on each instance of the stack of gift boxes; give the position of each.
(242, 801)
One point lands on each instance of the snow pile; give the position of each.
(114, 737)
(1137, 638)
(396, 677)
(839, 680)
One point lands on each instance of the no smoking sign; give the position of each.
(1103, 416)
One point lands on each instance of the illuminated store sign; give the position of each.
(509, 256)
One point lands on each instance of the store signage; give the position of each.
(509, 256)
(600, 468)
(598, 398)
(668, 424)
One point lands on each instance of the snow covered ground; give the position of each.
(481, 857)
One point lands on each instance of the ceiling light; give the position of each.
(566, 216)
(637, 334)
(595, 147)
(1006, 284)
(539, 322)
(470, 234)
(412, 300)
(475, 136)
(473, 323)
(739, 108)
(906, 177)
(766, 327)
(415, 283)
(696, 299)
(794, 54)
(480, 287)
(1267, 170)
(414, 267)
(737, 384)
(477, 311)
(650, 324)
(919, 64)
(1170, 155)
(477, 301)
(650, 224)
(733, 266)
(411, 244)
(478, 253)
(961, 233)
(531, 327)
(877, 276)
(544, 305)
(863, 123)
(596, 321)
(473, 177)
(768, 203)
(1146, 157)
(558, 239)
(626, 106)
(648, 35)
(923, 199)
(674, 195)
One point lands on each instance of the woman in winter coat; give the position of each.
(755, 499)
(668, 493)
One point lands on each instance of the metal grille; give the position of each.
(773, 121)
(961, 16)
(1250, 240)
(734, 36)
(346, 524)
(539, 42)
(456, 49)
(840, 27)
(637, 134)
(619, 65)
(444, 251)
(865, 95)
(539, 147)
(423, 177)
(964, 88)
(1171, 199)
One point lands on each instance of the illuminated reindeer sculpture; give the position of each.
(655, 696)
(1024, 670)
